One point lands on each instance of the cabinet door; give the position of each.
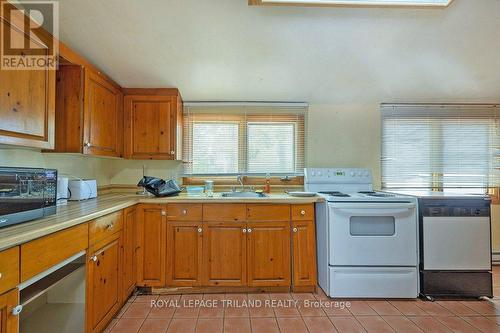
(152, 234)
(103, 124)
(103, 283)
(129, 250)
(184, 249)
(27, 103)
(268, 253)
(150, 127)
(224, 254)
(9, 322)
(304, 253)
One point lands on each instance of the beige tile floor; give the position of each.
(268, 313)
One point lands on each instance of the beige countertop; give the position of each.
(80, 212)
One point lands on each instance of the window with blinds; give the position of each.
(440, 146)
(246, 139)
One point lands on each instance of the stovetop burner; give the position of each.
(336, 194)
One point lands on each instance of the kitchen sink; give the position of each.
(243, 195)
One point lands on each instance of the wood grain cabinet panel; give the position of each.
(27, 102)
(224, 254)
(268, 212)
(105, 226)
(43, 253)
(304, 253)
(9, 323)
(184, 212)
(103, 117)
(302, 212)
(89, 113)
(184, 253)
(129, 247)
(9, 269)
(268, 253)
(153, 123)
(103, 283)
(224, 212)
(152, 245)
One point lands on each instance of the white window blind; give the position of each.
(440, 146)
(244, 139)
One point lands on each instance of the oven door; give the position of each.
(373, 234)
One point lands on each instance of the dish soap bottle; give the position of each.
(267, 186)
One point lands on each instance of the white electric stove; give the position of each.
(367, 240)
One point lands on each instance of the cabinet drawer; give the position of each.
(303, 212)
(224, 212)
(184, 212)
(9, 269)
(43, 253)
(105, 226)
(264, 212)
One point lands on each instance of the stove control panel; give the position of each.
(338, 175)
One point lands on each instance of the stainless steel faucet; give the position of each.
(239, 178)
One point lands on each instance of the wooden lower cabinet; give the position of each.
(129, 246)
(9, 322)
(103, 283)
(268, 254)
(151, 238)
(184, 253)
(224, 254)
(304, 253)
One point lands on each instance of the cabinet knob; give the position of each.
(110, 226)
(244, 231)
(93, 258)
(249, 230)
(163, 213)
(200, 230)
(184, 211)
(295, 229)
(172, 152)
(87, 144)
(302, 212)
(0, 275)
(17, 310)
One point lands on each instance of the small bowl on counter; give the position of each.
(195, 191)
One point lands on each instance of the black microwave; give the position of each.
(26, 194)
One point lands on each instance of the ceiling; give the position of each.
(225, 50)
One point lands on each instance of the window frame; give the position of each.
(436, 158)
(244, 119)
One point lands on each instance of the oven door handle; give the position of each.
(362, 205)
(373, 209)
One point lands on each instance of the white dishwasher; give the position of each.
(455, 246)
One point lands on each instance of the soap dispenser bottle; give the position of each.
(267, 186)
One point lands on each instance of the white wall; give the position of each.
(344, 136)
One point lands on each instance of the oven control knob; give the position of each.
(352, 174)
(319, 173)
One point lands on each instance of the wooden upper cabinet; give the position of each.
(153, 124)
(27, 103)
(103, 120)
(151, 238)
(89, 112)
